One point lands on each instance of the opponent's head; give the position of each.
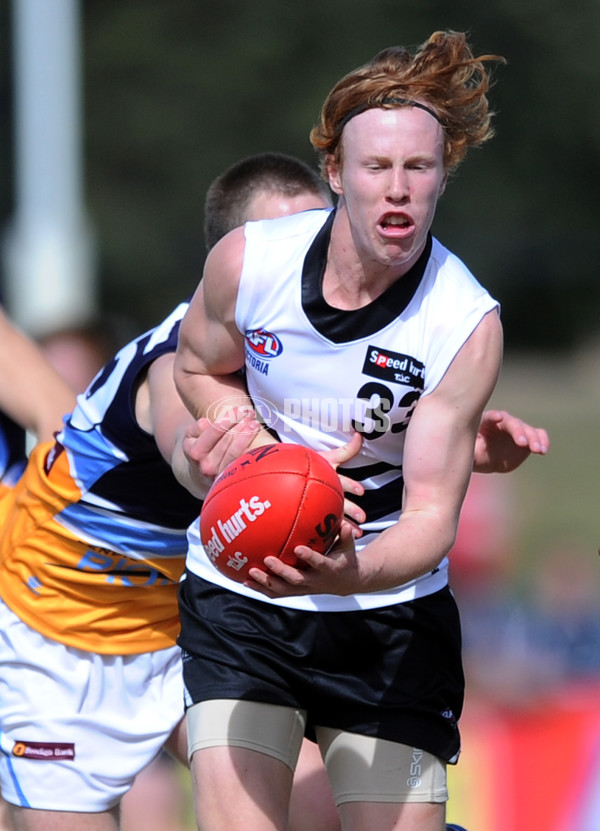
(263, 186)
(442, 77)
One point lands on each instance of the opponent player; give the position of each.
(361, 306)
(34, 398)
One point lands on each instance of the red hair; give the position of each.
(442, 74)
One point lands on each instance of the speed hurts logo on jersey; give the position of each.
(261, 347)
(394, 367)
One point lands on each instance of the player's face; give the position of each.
(270, 205)
(391, 176)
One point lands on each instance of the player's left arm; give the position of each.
(438, 459)
(437, 465)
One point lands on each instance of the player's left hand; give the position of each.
(333, 573)
(504, 441)
(339, 456)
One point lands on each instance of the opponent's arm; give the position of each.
(438, 458)
(32, 392)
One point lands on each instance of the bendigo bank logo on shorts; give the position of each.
(394, 367)
(261, 347)
(45, 751)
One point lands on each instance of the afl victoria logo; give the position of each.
(264, 344)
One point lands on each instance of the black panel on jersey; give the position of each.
(146, 489)
(363, 472)
(381, 502)
(340, 325)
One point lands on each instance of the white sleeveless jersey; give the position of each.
(317, 373)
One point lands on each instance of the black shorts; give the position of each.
(393, 672)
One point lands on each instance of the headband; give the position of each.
(363, 107)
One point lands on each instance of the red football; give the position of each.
(268, 501)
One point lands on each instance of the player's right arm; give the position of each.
(161, 413)
(210, 350)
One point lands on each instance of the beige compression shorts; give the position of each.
(360, 768)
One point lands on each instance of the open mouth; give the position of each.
(392, 222)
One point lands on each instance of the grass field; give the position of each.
(556, 497)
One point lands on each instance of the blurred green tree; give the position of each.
(175, 92)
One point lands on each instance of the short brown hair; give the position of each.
(442, 73)
(230, 194)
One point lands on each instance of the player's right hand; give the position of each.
(212, 445)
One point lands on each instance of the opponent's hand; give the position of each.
(333, 573)
(504, 441)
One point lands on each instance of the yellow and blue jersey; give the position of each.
(93, 536)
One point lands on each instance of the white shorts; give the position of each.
(77, 727)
